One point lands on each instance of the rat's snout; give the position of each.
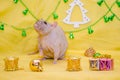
(35, 25)
(38, 22)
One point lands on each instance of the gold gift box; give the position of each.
(11, 63)
(73, 64)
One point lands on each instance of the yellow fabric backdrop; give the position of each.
(105, 39)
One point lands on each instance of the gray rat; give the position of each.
(52, 42)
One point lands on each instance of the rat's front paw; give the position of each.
(54, 62)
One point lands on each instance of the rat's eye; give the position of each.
(45, 22)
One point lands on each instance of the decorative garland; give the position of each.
(55, 16)
(106, 19)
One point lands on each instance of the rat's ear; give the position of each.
(54, 24)
(41, 19)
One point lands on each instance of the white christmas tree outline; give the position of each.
(69, 12)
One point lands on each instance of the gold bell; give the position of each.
(36, 65)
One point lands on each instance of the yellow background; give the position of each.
(105, 39)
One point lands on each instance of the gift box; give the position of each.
(101, 64)
(11, 63)
(73, 64)
(106, 64)
(94, 64)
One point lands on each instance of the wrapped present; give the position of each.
(106, 64)
(94, 64)
(103, 64)
(73, 64)
(11, 63)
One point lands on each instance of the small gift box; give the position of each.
(11, 63)
(102, 62)
(94, 64)
(106, 64)
(73, 64)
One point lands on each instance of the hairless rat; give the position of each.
(52, 42)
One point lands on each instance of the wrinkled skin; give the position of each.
(51, 39)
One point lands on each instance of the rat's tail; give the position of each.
(33, 52)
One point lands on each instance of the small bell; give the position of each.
(106, 19)
(55, 16)
(24, 34)
(118, 3)
(90, 30)
(65, 1)
(112, 17)
(2, 27)
(15, 1)
(25, 11)
(36, 65)
(100, 2)
(71, 36)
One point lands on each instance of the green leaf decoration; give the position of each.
(96, 55)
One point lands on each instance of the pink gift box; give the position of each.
(110, 63)
(106, 64)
